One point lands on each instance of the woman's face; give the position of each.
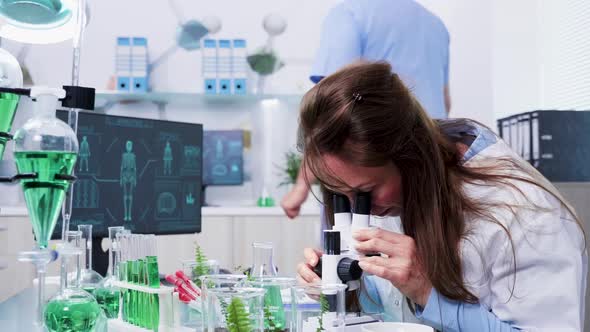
(383, 182)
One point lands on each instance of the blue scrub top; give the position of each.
(402, 32)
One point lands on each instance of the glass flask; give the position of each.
(279, 309)
(72, 309)
(320, 307)
(107, 294)
(262, 260)
(235, 309)
(89, 279)
(11, 76)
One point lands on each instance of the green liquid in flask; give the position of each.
(274, 303)
(44, 195)
(8, 105)
(73, 314)
(108, 300)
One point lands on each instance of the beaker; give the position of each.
(320, 307)
(194, 269)
(235, 309)
(191, 317)
(216, 281)
(280, 312)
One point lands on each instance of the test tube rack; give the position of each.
(166, 309)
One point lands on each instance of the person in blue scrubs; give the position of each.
(487, 244)
(401, 32)
(414, 41)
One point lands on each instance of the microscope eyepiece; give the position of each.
(362, 203)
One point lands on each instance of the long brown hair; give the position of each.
(366, 116)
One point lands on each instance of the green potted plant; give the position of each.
(290, 170)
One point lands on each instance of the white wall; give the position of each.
(515, 57)
(469, 23)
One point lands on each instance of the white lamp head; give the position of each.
(39, 21)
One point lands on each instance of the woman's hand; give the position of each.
(400, 265)
(305, 274)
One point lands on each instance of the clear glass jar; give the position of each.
(235, 309)
(320, 307)
(193, 270)
(279, 307)
(189, 316)
(216, 281)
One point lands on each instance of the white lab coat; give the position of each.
(546, 291)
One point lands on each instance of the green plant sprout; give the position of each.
(245, 271)
(202, 267)
(237, 318)
(324, 308)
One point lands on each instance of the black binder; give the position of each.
(557, 143)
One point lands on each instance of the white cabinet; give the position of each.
(227, 236)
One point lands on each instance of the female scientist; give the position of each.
(488, 245)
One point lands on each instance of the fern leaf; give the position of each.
(238, 319)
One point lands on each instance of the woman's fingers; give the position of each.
(312, 256)
(397, 270)
(382, 241)
(378, 233)
(305, 272)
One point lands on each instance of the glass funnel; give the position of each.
(107, 294)
(89, 279)
(11, 76)
(47, 147)
(72, 309)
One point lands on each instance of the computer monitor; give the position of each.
(223, 157)
(143, 174)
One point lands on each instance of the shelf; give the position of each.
(107, 99)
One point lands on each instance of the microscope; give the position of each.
(340, 262)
